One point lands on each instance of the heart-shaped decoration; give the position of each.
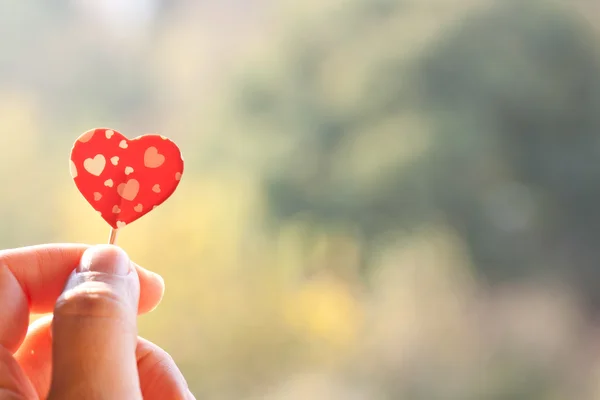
(125, 179)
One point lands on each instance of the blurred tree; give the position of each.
(494, 129)
(514, 95)
(336, 108)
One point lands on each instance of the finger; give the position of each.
(43, 270)
(13, 382)
(160, 377)
(94, 330)
(35, 355)
(33, 278)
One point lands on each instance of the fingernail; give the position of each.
(107, 259)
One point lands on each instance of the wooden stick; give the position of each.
(113, 236)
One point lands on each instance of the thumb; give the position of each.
(94, 329)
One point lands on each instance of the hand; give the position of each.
(89, 348)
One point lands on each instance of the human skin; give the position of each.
(88, 346)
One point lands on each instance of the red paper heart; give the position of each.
(125, 179)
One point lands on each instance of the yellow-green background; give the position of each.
(432, 231)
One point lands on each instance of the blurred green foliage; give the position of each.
(383, 199)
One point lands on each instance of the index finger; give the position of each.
(32, 278)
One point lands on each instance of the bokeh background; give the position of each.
(383, 199)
